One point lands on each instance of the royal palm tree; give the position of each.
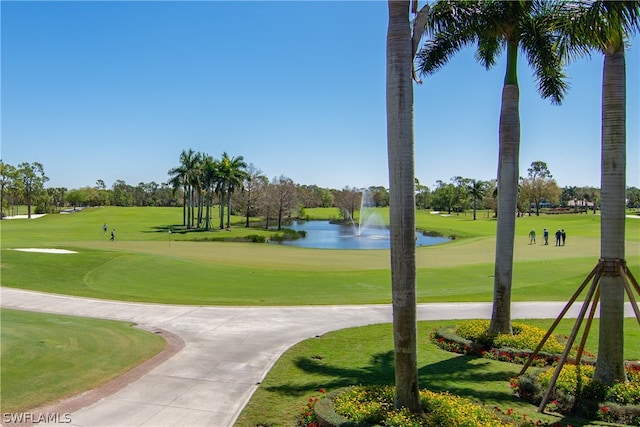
(399, 101)
(209, 175)
(605, 26)
(231, 174)
(186, 175)
(496, 27)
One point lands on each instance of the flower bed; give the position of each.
(472, 337)
(362, 406)
(576, 392)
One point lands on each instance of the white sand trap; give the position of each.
(48, 251)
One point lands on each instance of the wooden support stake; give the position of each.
(596, 270)
(570, 342)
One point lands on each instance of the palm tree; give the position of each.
(477, 190)
(605, 26)
(186, 175)
(209, 174)
(402, 202)
(497, 26)
(231, 176)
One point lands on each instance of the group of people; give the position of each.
(561, 236)
(113, 232)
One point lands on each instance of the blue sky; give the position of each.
(116, 90)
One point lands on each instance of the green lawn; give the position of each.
(144, 265)
(363, 356)
(47, 357)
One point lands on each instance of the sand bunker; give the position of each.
(48, 251)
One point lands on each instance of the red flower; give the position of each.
(604, 410)
(323, 391)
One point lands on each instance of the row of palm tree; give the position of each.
(201, 177)
(548, 33)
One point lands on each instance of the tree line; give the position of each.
(200, 182)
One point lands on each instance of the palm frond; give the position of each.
(539, 41)
(489, 48)
(437, 51)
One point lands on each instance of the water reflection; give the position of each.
(326, 235)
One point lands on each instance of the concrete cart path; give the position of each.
(227, 353)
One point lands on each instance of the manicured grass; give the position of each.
(362, 356)
(143, 265)
(146, 263)
(47, 357)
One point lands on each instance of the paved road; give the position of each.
(227, 351)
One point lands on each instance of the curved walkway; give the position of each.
(227, 351)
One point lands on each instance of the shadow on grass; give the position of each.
(456, 375)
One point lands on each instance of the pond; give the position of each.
(327, 235)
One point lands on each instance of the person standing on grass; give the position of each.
(545, 234)
(104, 228)
(558, 234)
(563, 235)
(113, 235)
(532, 237)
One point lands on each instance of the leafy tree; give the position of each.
(312, 196)
(490, 200)
(423, 196)
(7, 176)
(443, 196)
(460, 193)
(122, 193)
(379, 196)
(32, 178)
(57, 196)
(633, 197)
(498, 26)
(538, 186)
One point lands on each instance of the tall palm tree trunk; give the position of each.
(184, 206)
(610, 364)
(508, 172)
(402, 203)
(229, 207)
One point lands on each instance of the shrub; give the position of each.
(288, 234)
